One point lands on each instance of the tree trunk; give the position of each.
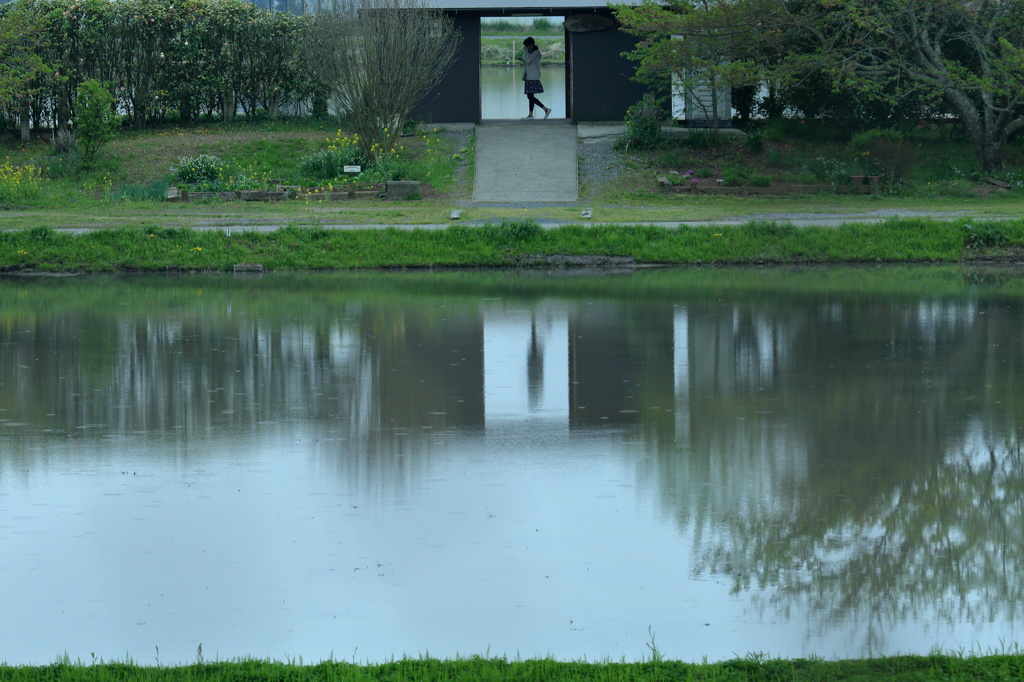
(229, 106)
(989, 139)
(26, 128)
(138, 113)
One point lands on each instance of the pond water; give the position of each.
(365, 466)
(501, 92)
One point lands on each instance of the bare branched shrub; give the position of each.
(378, 59)
(64, 143)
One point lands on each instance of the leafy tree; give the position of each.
(966, 54)
(96, 121)
(706, 46)
(378, 59)
(21, 36)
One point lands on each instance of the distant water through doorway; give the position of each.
(502, 92)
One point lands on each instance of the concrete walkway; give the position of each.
(526, 161)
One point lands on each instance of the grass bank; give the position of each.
(938, 667)
(506, 244)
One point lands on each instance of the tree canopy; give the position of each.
(963, 56)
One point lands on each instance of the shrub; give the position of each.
(643, 125)
(754, 140)
(760, 181)
(774, 157)
(64, 143)
(328, 164)
(195, 169)
(826, 169)
(884, 151)
(734, 177)
(96, 121)
(984, 235)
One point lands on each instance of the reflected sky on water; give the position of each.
(501, 92)
(819, 462)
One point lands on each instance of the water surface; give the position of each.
(501, 92)
(817, 462)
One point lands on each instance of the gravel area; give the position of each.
(601, 163)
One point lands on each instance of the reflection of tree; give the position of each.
(816, 470)
(948, 543)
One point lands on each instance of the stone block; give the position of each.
(402, 189)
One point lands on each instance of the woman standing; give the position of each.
(531, 76)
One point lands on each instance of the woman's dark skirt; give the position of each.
(532, 88)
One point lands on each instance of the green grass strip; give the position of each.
(508, 244)
(759, 668)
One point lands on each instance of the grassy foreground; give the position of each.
(936, 667)
(506, 244)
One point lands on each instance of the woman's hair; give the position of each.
(529, 42)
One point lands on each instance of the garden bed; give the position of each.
(715, 188)
(285, 192)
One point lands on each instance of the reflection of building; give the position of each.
(525, 365)
(621, 363)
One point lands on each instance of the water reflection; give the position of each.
(821, 462)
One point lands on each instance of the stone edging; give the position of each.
(395, 189)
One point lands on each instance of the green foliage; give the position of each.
(827, 169)
(643, 125)
(167, 58)
(96, 121)
(18, 184)
(756, 180)
(984, 235)
(848, 62)
(885, 152)
(513, 232)
(754, 140)
(734, 176)
(150, 191)
(326, 164)
(199, 168)
(22, 42)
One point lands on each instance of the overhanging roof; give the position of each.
(508, 7)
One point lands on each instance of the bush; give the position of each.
(760, 181)
(754, 140)
(984, 235)
(96, 121)
(643, 125)
(328, 164)
(825, 169)
(195, 169)
(884, 151)
(734, 177)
